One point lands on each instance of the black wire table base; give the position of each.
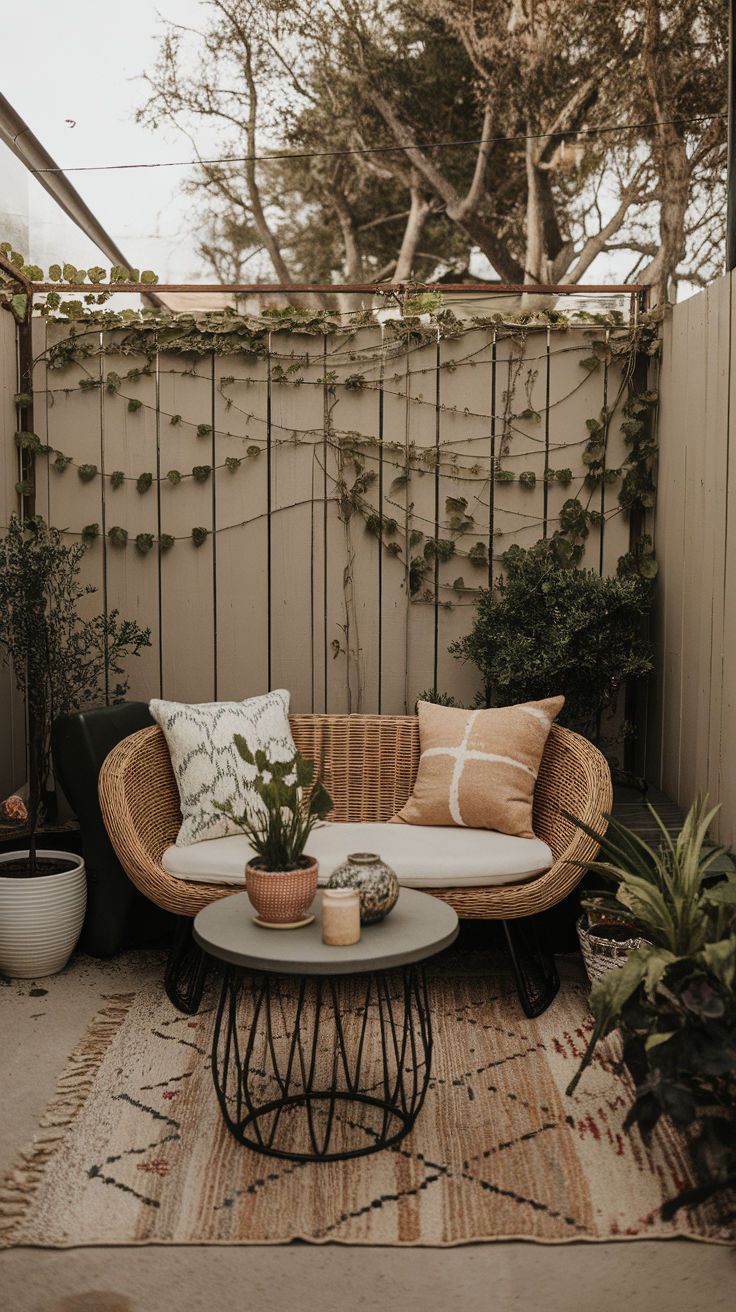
(322, 1068)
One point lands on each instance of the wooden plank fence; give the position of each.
(311, 572)
(691, 732)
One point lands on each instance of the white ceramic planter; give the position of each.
(40, 919)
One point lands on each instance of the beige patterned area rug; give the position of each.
(133, 1149)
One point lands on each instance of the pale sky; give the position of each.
(76, 82)
(81, 60)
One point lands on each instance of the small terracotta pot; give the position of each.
(282, 897)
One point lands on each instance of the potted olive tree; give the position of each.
(60, 663)
(281, 880)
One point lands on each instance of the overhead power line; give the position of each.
(380, 150)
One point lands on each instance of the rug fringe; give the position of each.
(19, 1186)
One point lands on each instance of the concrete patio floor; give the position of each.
(38, 1030)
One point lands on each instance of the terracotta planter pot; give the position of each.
(282, 897)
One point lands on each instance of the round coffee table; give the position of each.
(323, 1053)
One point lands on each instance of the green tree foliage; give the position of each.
(538, 189)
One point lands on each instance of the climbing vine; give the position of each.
(369, 476)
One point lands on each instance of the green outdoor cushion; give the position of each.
(118, 916)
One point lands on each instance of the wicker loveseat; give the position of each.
(368, 763)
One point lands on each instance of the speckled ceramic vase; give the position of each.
(375, 881)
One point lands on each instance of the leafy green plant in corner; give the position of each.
(60, 661)
(546, 629)
(290, 803)
(437, 698)
(674, 1001)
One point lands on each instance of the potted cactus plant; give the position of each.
(281, 880)
(60, 663)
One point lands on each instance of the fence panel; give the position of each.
(690, 732)
(319, 515)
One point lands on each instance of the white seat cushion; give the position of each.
(423, 856)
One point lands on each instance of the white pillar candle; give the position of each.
(340, 916)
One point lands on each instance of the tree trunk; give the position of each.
(420, 207)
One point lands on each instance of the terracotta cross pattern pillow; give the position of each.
(478, 768)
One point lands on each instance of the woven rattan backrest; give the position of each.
(367, 763)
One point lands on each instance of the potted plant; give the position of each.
(281, 880)
(60, 663)
(674, 1000)
(546, 629)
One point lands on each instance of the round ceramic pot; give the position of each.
(40, 917)
(282, 897)
(375, 881)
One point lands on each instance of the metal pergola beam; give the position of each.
(372, 288)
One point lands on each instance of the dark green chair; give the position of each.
(118, 916)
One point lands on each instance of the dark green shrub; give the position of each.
(546, 629)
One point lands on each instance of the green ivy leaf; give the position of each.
(19, 306)
(201, 473)
(253, 451)
(90, 532)
(118, 536)
(204, 430)
(134, 404)
(199, 536)
(174, 477)
(117, 478)
(143, 482)
(166, 541)
(144, 542)
(232, 463)
(87, 472)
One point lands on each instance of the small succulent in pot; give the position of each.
(281, 879)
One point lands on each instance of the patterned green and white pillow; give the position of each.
(207, 765)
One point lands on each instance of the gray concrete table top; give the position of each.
(419, 926)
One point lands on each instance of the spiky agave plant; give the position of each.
(662, 892)
(292, 802)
